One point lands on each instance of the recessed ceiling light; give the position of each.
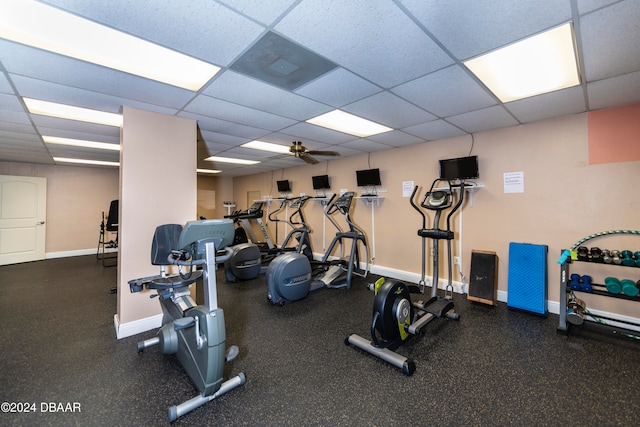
(208, 171)
(540, 64)
(348, 123)
(267, 146)
(85, 162)
(80, 143)
(231, 160)
(63, 111)
(46, 27)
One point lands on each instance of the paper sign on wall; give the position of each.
(514, 182)
(407, 188)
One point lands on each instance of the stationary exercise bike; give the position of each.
(395, 317)
(195, 333)
(292, 276)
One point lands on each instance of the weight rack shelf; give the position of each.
(598, 289)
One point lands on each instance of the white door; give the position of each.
(23, 209)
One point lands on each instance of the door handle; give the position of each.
(40, 223)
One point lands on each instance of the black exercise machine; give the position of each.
(395, 317)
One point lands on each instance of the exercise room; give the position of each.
(314, 213)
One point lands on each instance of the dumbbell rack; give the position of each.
(598, 289)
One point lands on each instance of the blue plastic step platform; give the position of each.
(528, 277)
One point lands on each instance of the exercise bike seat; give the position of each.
(165, 241)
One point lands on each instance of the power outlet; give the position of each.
(457, 261)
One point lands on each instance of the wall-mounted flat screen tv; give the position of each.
(368, 177)
(284, 186)
(459, 168)
(320, 182)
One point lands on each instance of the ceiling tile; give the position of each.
(236, 88)
(338, 87)
(260, 10)
(488, 118)
(375, 40)
(388, 109)
(548, 105)
(431, 131)
(610, 41)
(395, 138)
(212, 107)
(446, 92)
(614, 92)
(468, 28)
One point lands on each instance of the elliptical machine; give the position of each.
(245, 263)
(395, 317)
(195, 333)
(290, 277)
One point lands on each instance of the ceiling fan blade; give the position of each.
(323, 153)
(307, 158)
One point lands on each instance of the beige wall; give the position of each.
(564, 198)
(76, 198)
(222, 190)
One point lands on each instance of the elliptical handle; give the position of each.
(424, 217)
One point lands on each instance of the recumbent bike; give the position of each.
(195, 333)
(395, 317)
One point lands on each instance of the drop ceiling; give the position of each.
(396, 62)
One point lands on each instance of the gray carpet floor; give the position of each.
(495, 366)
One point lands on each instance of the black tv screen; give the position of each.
(368, 177)
(320, 182)
(459, 168)
(284, 186)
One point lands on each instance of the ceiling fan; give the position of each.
(300, 151)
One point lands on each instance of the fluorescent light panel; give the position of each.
(80, 143)
(85, 162)
(231, 160)
(267, 146)
(540, 64)
(348, 123)
(208, 171)
(45, 27)
(71, 112)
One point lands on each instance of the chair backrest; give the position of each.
(112, 220)
(165, 239)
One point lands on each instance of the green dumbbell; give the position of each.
(613, 285)
(627, 258)
(629, 287)
(637, 257)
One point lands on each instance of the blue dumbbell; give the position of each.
(586, 284)
(575, 282)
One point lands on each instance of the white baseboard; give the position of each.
(139, 326)
(79, 252)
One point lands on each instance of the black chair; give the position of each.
(108, 226)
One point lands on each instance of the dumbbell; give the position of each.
(613, 285)
(627, 258)
(586, 284)
(606, 256)
(637, 257)
(583, 253)
(615, 256)
(629, 288)
(596, 254)
(575, 282)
